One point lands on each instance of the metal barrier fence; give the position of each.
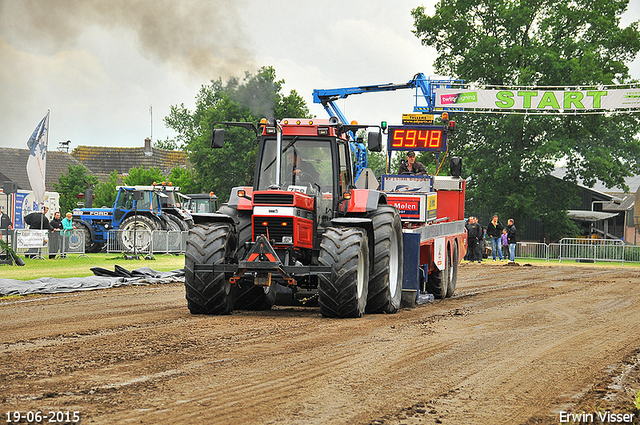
(575, 249)
(46, 244)
(145, 242)
(169, 242)
(129, 241)
(591, 249)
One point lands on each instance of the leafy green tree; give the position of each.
(167, 144)
(185, 179)
(249, 100)
(144, 177)
(536, 43)
(105, 192)
(72, 184)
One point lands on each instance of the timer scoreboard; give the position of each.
(417, 138)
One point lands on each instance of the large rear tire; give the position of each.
(438, 280)
(140, 238)
(343, 293)
(453, 272)
(176, 224)
(385, 285)
(206, 292)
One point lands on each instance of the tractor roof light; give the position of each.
(445, 116)
(270, 130)
(323, 131)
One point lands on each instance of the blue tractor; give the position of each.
(137, 211)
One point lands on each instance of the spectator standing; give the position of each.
(67, 226)
(474, 239)
(55, 237)
(5, 221)
(38, 220)
(494, 230)
(504, 243)
(512, 238)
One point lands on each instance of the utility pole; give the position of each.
(151, 114)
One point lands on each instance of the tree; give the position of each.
(249, 100)
(72, 184)
(105, 192)
(144, 177)
(543, 43)
(185, 179)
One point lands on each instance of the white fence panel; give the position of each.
(591, 249)
(129, 241)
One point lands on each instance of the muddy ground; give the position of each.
(516, 344)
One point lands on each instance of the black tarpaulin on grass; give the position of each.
(103, 278)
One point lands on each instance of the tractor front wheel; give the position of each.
(343, 292)
(208, 292)
(385, 285)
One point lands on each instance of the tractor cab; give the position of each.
(309, 159)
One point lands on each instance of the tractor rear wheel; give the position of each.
(453, 272)
(385, 285)
(343, 293)
(141, 238)
(208, 292)
(438, 280)
(176, 224)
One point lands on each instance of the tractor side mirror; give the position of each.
(455, 167)
(217, 139)
(374, 140)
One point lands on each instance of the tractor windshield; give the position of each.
(306, 163)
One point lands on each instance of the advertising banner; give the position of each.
(540, 100)
(31, 238)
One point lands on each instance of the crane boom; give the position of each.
(425, 89)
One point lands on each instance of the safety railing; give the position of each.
(591, 250)
(168, 242)
(45, 244)
(129, 241)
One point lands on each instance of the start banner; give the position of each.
(540, 100)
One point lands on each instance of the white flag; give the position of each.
(37, 162)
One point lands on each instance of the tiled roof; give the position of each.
(103, 160)
(13, 165)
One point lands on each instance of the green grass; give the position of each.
(76, 266)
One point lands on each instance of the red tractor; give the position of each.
(303, 233)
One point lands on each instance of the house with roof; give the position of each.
(103, 160)
(606, 212)
(13, 167)
(99, 160)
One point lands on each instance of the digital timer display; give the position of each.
(417, 138)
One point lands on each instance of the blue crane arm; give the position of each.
(425, 89)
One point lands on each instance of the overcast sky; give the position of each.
(102, 66)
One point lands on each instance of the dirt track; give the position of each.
(514, 345)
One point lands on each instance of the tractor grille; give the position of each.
(275, 227)
(273, 198)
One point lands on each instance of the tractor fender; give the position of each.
(199, 218)
(365, 200)
(88, 226)
(151, 216)
(363, 223)
(239, 202)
